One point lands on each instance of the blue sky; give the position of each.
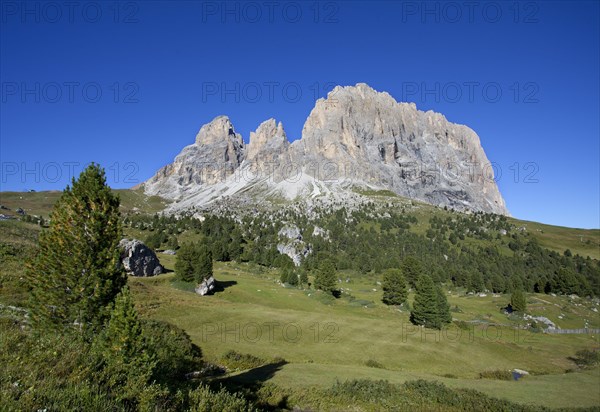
(128, 85)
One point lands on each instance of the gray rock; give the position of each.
(20, 211)
(356, 137)
(169, 252)
(138, 259)
(207, 286)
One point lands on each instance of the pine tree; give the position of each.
(518, 302)
(412, 269)
(77, 272)
(184, 263)
(124, 350)
(444, 315)
(394, 287)
(426, 307)
(303, 278)
(203, 264)
(325, 278)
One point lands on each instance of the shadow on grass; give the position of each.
(251, 381)
(221, 285)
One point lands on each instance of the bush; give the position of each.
(240, 361)
(496, 374)
(202, 399)
(586, 357)
(175, 353)
(374, 364)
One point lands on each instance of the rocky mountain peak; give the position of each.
(218, 130)
(268, 138)
(356, 136)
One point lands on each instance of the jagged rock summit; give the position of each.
(355, 138)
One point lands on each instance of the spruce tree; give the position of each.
(425, 308)
(303, 277)
(444, 315)
(203, 264)
(325, 278)
(412, 269)
(184, 268)
(124, 350)
(394, 287)
(518, 302)
(77, 272)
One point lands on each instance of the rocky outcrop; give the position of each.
(216, 154)
(206, 287)
(138, 259)
(355, 137)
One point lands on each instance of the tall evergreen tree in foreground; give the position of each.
(394, 287)
(128, 362)
(430, 308)
(77, 273)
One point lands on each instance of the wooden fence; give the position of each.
(572, 331)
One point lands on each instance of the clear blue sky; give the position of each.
(130, 86)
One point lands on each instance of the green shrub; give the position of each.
(374, 364)
(241, 361)
(586, 357)
(202, 399)
(496, 374)
(173, 349)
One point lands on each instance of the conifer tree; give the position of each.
(127, 361)
(412, 269)
(325, 278)
(394, 287)
(203, 264)
(77, 272)
(444, 315)
(518, 302)
(184, 263)
(426, 307)
(303, 277)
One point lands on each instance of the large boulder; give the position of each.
(207, 286)
(138, 259)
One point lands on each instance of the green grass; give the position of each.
(325, 341)
(41, 203)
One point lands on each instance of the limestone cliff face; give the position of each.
(216, 154)
(355, 136)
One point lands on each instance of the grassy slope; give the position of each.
(552, 237)
(336, 340)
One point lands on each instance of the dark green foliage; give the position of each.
(501, 375)
(193, 263)
(184, 263)
(444, 315)
(394, 287)
(202, 399)
(326, 279)
(173, 351)
(155, 239)
(518, 302)
(303, 278)
(124, 350)
(77, 272)
(412, 269)
(241, 361)
(374, 364)
(586, 357)
(203, 265)
(430, 308)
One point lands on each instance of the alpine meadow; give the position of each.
(163, 247)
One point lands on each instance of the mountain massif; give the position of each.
(356, 138)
